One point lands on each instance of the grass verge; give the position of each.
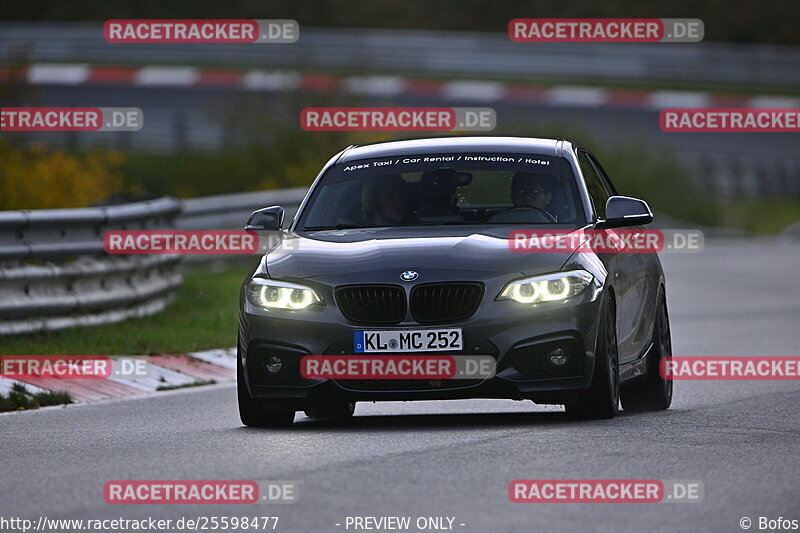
(764, 217)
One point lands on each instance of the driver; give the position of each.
(531, 191)
(528, 189)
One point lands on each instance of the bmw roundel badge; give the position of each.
(409, 275)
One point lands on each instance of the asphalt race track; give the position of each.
(741, 439)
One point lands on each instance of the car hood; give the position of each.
(362, 254)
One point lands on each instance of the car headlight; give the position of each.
(272, 294)
(547, 288)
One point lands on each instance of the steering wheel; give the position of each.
(548, 217)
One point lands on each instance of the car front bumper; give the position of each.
(518, 337)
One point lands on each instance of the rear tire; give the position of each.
(601, 400)
(654, 393)
(251, 410)
(333, 410)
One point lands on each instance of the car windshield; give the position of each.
(442, 189)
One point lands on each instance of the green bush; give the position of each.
(271, 152)
(657, 178)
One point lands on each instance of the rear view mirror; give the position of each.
(625, 211)
(269, 218)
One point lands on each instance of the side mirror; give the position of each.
(269, 218)
(625, 211)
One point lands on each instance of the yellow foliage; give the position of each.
(34, 177)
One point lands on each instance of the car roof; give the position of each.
(473, 144)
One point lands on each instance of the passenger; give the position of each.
(384, 200)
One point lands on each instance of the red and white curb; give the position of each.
(388, 86)
(160, 371)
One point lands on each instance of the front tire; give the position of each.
(655, 392)
(251, 410)
(601, 401)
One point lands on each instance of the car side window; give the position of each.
(594, 184)
(603, 175)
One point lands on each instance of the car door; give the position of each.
(638, 289)
(618, 264)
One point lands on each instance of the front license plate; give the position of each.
(407, 340)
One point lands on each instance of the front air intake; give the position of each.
(445, 302)
(372, 304)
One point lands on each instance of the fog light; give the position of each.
(558, 357)
(273, 365)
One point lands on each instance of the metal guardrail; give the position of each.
(85, 292)
(438, 53)
(54, 273)
(53, 233)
